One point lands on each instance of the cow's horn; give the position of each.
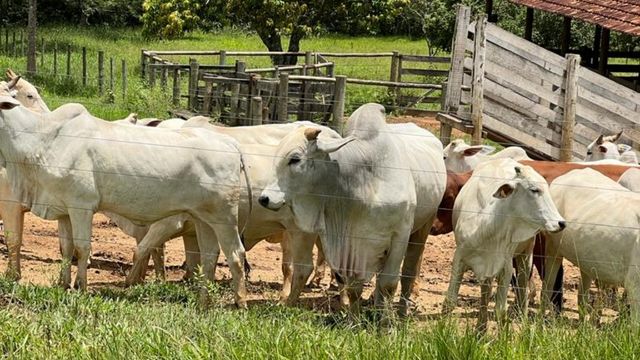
(12, 83)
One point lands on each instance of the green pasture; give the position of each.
(165, 321)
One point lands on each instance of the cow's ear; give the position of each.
(478, 149)
(603, 149)
(504, 191)
(330, 145)
(600, 140)
(8, 103)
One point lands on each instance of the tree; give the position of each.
(32, 29)
(273, 19)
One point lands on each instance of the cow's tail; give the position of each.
(243, 168)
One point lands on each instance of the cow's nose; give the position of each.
(562, 224)
(263, 200)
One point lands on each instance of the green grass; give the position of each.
(164, 321)
(125, 44)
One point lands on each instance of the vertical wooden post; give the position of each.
(176, 87)
(84, 66)
(308, 60)
(235, 95)
(208, 93)
(55, 59)
(456, 72)
(193, 83)
(152, 70)
(283, 98)
(393, 76)
(604, 52)
(124, 80)
(101, 72)
(164, 74)
(338, 103)
(479, 48)
(566, 36)
(570, 99)
(223, 57)
(143, 64)
(256, 110)
(528, 25)
(21, 43)
(111, 74)
(6, 40)
(68, 60)
(13, 45)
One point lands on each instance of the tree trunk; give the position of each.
(31, 29)
(294, 45)
(273, 42)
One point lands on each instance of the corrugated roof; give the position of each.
(618, 15)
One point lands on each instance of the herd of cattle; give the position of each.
(368, 198)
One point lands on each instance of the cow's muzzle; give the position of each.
(266, 202)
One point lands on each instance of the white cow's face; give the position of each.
(296, 163)
(527, 199)
(603, 147)
(460, 157)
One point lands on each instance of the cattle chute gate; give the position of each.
(522, 94)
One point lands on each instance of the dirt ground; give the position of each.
(112, 252)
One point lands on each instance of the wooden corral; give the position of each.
(525, 95)
(240, 95)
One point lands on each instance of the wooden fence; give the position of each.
(95, 69)
(525, 95)
(309, 91)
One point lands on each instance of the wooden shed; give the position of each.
(606, 15)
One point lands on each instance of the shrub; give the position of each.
(169, 19)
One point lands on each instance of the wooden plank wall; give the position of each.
(524, 97)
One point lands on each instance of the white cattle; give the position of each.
(605, 148)
(361, 194)
(604, 248)
(460, 157)
(64, 166)
(495, 217)
(261, 224)
(25, 92)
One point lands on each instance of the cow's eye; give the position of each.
(535, 190)
(293, 160)
(29, 96)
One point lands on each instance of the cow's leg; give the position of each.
(157, 253)
(503, 287)
(552, 265)
(287, 267)
(229, 241)
(353, 292)
(66, 249)
(320, 265)
(81, 230)
(13, 218)
(192, 254)
(455, 279)
(159, 233)
(301, 245)
(387, 281)
(583, 296)
(523, 269)
(411, 266)
(485, 294)
(632, 290)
